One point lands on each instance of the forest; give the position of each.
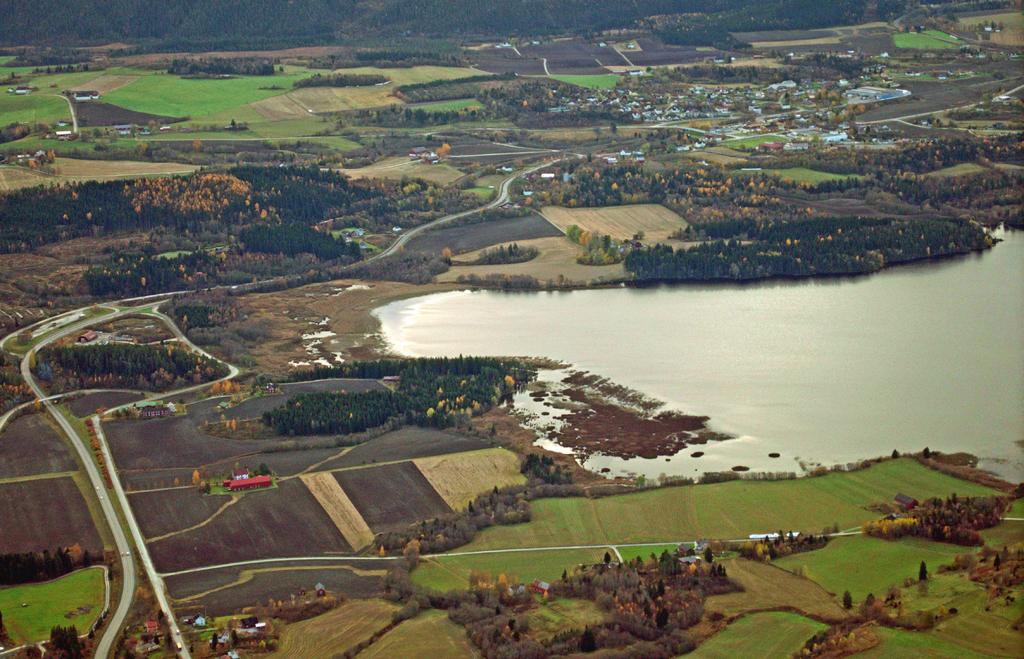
(817, 246)
(178, 24)
(120, 365)
(41, 215)
(340, 80)
(221, 66)
(436, 393)
(42, 565)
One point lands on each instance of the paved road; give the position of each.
(110, 633)
(480, 552)
(500, 199)
(107, 639)
(147, 562)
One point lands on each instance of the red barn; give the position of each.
(254, 483)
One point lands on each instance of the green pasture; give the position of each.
(725, 511)
(927, 40)
(863, 565)
(31, 610)
(598, 81)
(452, 572)
(761, 635)
(805, 175)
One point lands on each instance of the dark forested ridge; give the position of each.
(278, 23)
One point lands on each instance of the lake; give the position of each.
(823, 371)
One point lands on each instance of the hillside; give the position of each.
(279, 23)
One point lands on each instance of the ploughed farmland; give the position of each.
(391, 497)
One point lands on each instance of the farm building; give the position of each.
(905, 502)
(540, 587)
(320, 589)
(690, 560)
(152, 410)
(85, 95)
(875, 94)
(254, 483)
(87, 336)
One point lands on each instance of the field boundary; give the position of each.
(328, 492)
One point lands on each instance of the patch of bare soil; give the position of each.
(342, 308)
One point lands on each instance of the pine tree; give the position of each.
(847, 600)
(922, 572)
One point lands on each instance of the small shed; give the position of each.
(905, 502)
(540, 587)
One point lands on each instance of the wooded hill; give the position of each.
(279, 23)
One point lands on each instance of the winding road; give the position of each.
(107, 639)
(501, 199)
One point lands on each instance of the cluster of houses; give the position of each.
(242, 480)
(20, 90)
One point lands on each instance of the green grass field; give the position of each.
(927, 40)
(768, 635)
(724, 510)
(448, 106)
(559, 615)
(629, 553)
(1009, 532)
(483, 192)
(74, 599)
(805, 175)
(900, 644)
(39, 106)
(865, 565)
(173, 96)
(449, 573)
(963, 169)
(752, 142)
(430, 634)
(598, 81)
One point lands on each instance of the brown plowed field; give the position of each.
(278, 522)
(89, 403)
(282, 463)
(260, 584)
(173, 510)
(406, 444)
(29, 445)
(183, 586)
(483, 234)
(391, 497)
(98, 113)
(43, 514)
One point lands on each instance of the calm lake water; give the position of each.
(821, 371)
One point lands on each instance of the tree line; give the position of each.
(817, 246)
(43, 565)
(221, 66)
